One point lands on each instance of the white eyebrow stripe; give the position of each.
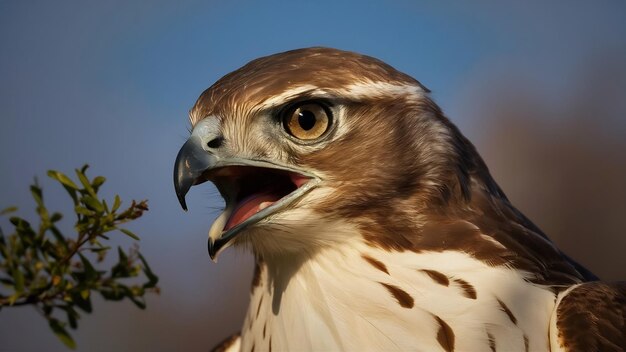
(288, 94)
(377, 89)
(355, 91)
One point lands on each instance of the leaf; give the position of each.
(18, 278)
(122, 269)
(56, 217)
(88, 269)
(9, 210)
(85, 181)
(72, 194)
(82, 303)
(97, 182)
(72, 315)
(66, 181)
(61, 333)
(37, 195)
(130, 234)
(112, 295)
(15, 220)
(58, 236)
(138, 302)
(99, 249)
(116, 203)
(43, 214)
(123, 258)
(83, 211)
(84, 294)
(24, 230)
(13, 298)
(152, 279)
(93, 203)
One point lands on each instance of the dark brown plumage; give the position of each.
(592, 317)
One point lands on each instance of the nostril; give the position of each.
(215, 142)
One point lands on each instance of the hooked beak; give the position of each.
(192, 160)
(252, 189)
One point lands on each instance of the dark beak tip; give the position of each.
(182, 201)
(212, 249)
(192, 160)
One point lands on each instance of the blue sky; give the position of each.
(109, 83)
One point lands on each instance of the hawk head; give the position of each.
(301, 143)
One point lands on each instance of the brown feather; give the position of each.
(599, 310)
(468, 290)
(258, 272)
(438, 277)
(445, 335)
(404, 299)
(376, 263)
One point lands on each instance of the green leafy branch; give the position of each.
(57, 274)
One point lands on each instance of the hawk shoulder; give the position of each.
(591, 317)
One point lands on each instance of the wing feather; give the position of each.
(591, 317)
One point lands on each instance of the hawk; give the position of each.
(374, 222)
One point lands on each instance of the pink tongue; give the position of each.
(298, 179)
(248, 207)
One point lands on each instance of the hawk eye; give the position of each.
(307, 121)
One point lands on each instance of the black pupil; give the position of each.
(306, 119)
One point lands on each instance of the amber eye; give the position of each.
(307, 121)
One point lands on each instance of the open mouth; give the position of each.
(253, 189)
(249, 190)
(252, 193)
